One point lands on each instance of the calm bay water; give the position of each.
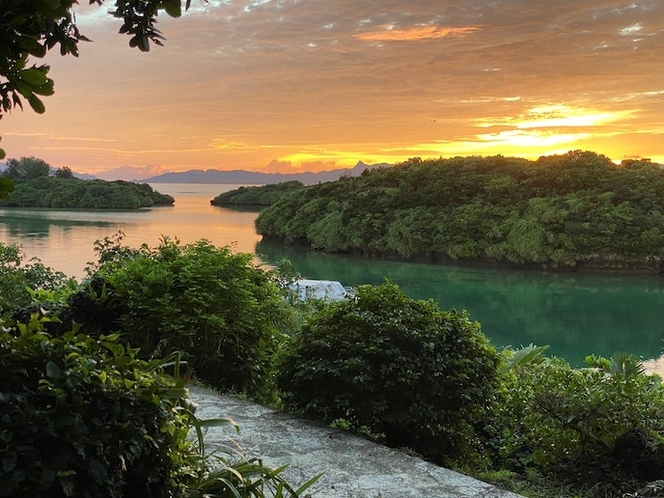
(63, 239)
(576, 314)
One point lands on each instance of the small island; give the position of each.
(263, 196)
(38, 185)
(577, 210)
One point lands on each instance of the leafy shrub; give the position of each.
(18, 277)
(84, 417)
(213, 305)
(399, 367)
(600, 427)
(92, 305)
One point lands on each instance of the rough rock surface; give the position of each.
(353, 466)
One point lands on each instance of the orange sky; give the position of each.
(293, 85)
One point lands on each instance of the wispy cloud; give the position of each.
(248, 82)
(558, 116)
(418, 33)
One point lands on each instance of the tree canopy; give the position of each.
(40, 185)
(571, 210)
(74, 193)
(26, 168)
(256, 196)
(30, 28)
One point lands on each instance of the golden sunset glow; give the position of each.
(389, 33)
(290, 86)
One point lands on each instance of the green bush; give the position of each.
(17, 277)
(395, 366)
(600, 427)
(213, 305)
(84, 417)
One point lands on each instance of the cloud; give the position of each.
(388, 33)
(237, 145)
(276, 166)
(532, 138)
(242, 83)
(558, 116)
(319, 166)
(131, 172)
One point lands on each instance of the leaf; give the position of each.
(36, 104)
(218, 422)
(53, 371)
(144, 44)
(38, 50)
(173, 8)
(46, 88)
(34, 76)
(17, 100)
(308, 484)
(530, 354)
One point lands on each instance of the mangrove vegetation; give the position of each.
(256, 196)
(573, 210)
(37, 184)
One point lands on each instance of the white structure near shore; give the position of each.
(327, 290)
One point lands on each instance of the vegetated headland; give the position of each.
(577, 210)
(73, 193)
(35, 183)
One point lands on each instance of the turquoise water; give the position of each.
(576, 314)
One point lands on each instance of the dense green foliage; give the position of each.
(84, 417)
(27, 168)
(265, 195)
(599, 428)
(56, 192)
(6, 186)
(401, 370)
(18, 277)
(32, 28)
(572, 210)
(398, 367)
(212, 304)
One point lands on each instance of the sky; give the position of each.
(309, 85)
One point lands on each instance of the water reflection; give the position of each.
(41, 222)
(63, 239)
(576, 314)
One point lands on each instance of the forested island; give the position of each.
(37, 184)
(257, 196)
(569, 211)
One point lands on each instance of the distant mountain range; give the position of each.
(242, 177)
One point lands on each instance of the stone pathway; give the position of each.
(353, 467)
